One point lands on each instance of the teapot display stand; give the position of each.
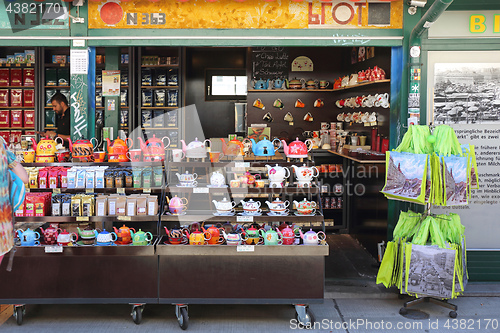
(251, 157)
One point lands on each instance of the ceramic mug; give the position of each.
(323, 84)
(177, 155)
(134, 155)
(99, 156)
(29, 156)
(234, 183)
(215, 156)
(278, 103)
(267, 117)
(260, 183)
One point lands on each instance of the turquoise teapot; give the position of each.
(261, 84)
(28, 237)
(141, 238)
(265, 147)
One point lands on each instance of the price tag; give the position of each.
(120, 190)
(241, 164)
(89, 190)
(245, 248)
(56, 190)
(240, 218)
(146, 190)
(124, 218)
(82, 219)
(200, 190)
(53, 249)
(27, 189)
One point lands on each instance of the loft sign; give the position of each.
(342, 13)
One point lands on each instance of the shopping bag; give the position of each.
(405, 177)
(385, 271)
(455, 179)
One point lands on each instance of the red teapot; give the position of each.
(117, 150)
(50, 235)
(297, 148)
(154, 149)
(216, 235)
(124, 235)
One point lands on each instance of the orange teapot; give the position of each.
(117, 150)
(216, 235)
(83, 149)
(124, 235)
(233, 148)
(196, 237)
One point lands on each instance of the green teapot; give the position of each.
(141, 238)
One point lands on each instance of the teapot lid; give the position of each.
(224, 200)
(102, 232)
(277, 200)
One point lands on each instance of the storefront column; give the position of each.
(111, 103)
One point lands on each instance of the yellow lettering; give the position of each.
(496, 23)
(477, 24)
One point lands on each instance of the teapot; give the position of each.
(196, 237)
(106, 238)
(177, 205)
(224, 205)
(217, 179)
(278, 83)
(260, 84)
(83, 149)
(288, 235)
(277, 206)
(66, 238)
(153, 150)
(216, 235)
(141, 238)
(312, 238)
(296, 83)
(248, 179)
(297, 148)
(195, 149)
(232, 148)
(87, 233)
(265, 147)
(117, 150)
(45, 150)
(187, 179)
(124, 235)
(277, 175)
(28, 237)
(271, 237)
(232, 237)
(312, 84)
(304, 173)
(305, 207)
(176, 236)
(251, 206)
(251, 236)
(50, 235)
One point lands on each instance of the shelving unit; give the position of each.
(58, 74)
(322, 90)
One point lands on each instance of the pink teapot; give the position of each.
(154, 148)
(312, 238)
(177, 205)
(297, 148)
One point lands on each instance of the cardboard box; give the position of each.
(4, 77)
(29, 97)
(16, 77)
(4, 118)
(16, 97)
(16, 119)
(59, 59)
(4, 97)
(29, 77)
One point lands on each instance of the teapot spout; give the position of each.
(224, 145)
(285, 147)
(183, 146)
(143, 145)
(254, 145)
(166, 230)
(70, 145)
(34, 143)
(116, 230)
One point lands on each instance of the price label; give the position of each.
(53, 249)
(56, 190)
(82, 219)
(120, 190)
(27, 189)
(200, 190)
(241, 164)
(89, 190)
(124, 218)
(146, 190)
(244, 218)
(245, 248)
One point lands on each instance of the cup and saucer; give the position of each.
(251, 213)
(278, 213)
(217, 186)
(224, 213)
(105, 244)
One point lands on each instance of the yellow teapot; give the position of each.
(45, 150)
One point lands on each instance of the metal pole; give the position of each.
(430, 16)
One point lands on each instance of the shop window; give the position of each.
(225, 84)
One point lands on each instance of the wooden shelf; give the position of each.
(159, 87)
(208, 216)
(30, 65)
(159, 128)
(17, 87)
(57, 87)
(357, 160)
(243, 190)
(56, 65)
(17, 107)
(73, 219)
(160, 66)
(321, 90)
(159, 107)
(98, 190)
(17, 128)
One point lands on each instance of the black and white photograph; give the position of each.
(431, 271)
(466, 93)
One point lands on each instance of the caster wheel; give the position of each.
(19, 314)
(453, 314)
(307, 322)
(403, 311)
(183, 319)
(137, 314)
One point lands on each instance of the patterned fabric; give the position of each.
(6, 232)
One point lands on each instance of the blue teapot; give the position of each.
(264, 147)
(278, 83)
(261, 84)
(28, 237)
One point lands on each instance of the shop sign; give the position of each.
(466, 24)
(250, 14)
(30, 14)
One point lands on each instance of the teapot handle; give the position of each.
(195, 175)
(62, 141)
(207, 140)
(187, 201)
(278, 146)
(310, 144)
(287, 172)
(131, 143)
(37, 235)
(150, 236)
(168, 144)
(96, 141)
(317, 171)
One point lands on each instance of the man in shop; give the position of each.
(63, 120)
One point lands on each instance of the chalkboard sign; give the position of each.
(270, 62)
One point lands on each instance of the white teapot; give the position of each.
(277, 175)
(277, 206)
(217, 179)
(224, 205)
(251, 206)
